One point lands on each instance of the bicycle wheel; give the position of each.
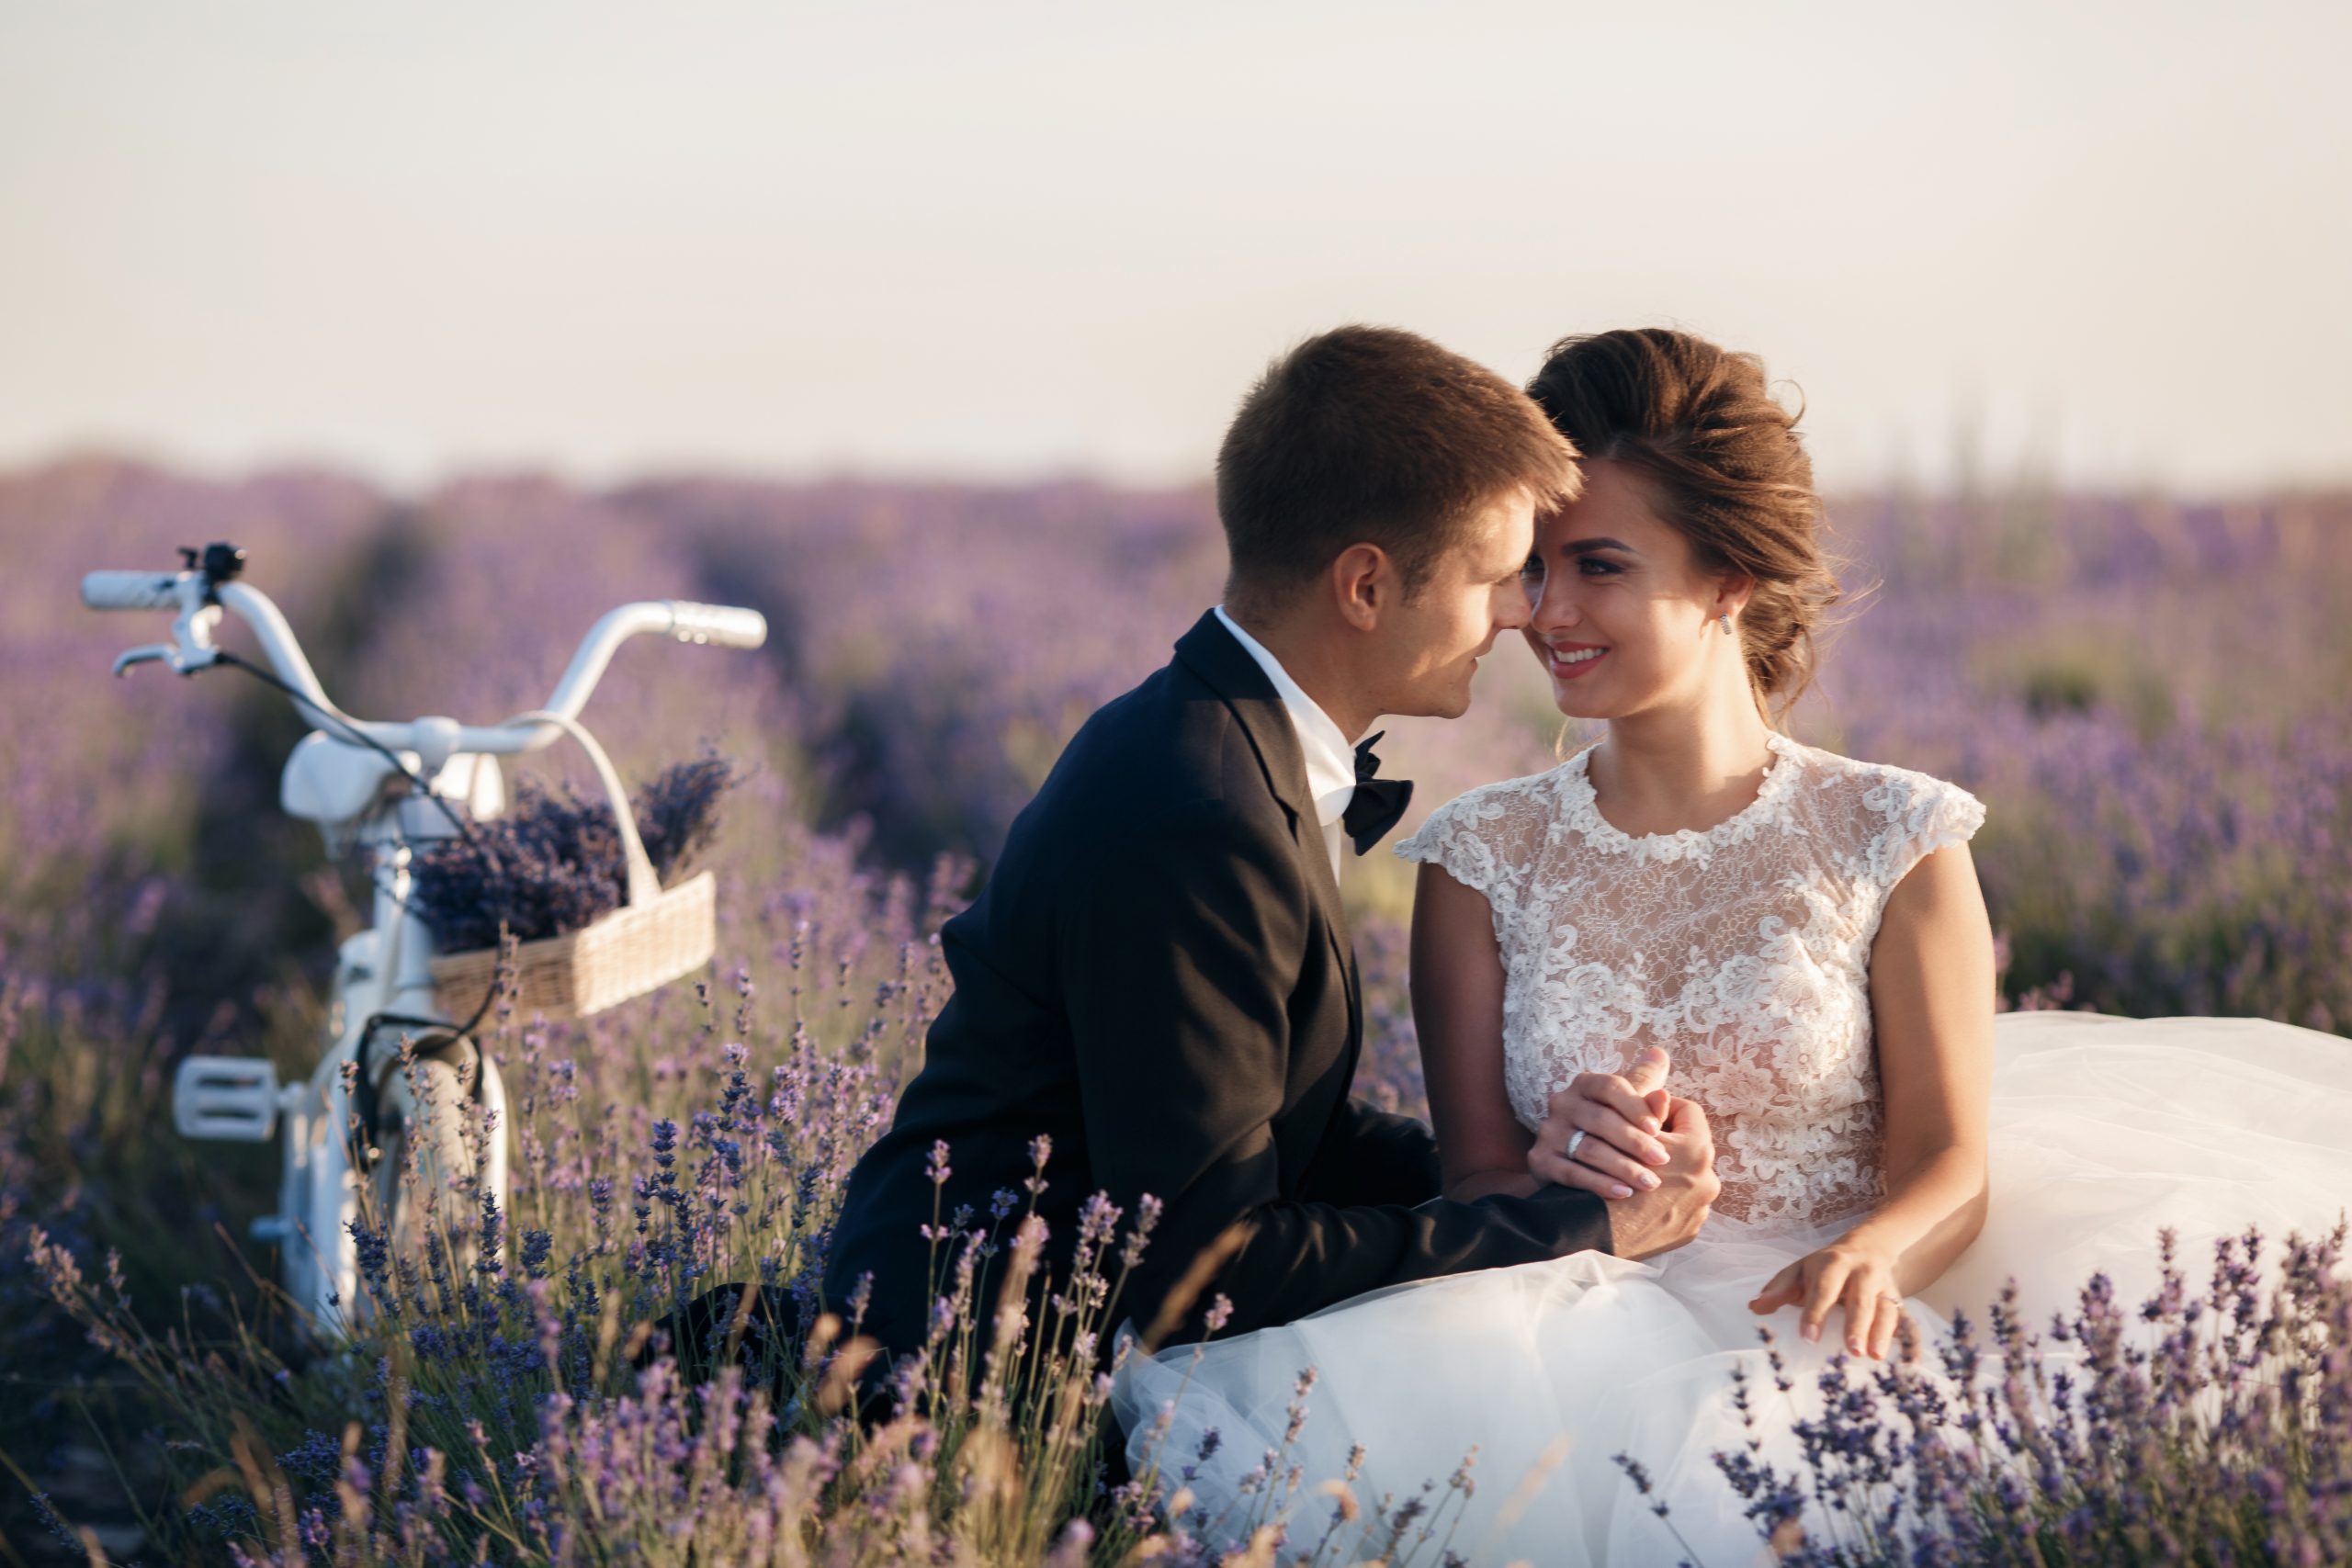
(423, 1184)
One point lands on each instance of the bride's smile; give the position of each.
(1568, 661)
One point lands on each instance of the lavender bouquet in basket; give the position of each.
(553, 863)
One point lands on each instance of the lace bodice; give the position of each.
(1743, 950)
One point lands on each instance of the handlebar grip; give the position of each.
(131, 590)
(721, 623)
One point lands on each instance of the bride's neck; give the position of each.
(1668, 770)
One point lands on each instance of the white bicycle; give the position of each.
(385, 792)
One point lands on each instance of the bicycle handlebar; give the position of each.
(721, 623)
(200, 602)
(131, 590)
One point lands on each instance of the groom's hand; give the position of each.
(1620, 1116)
(1663, 1218)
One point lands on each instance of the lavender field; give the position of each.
(2149, 693)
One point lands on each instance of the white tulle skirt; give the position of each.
(2104, 1130)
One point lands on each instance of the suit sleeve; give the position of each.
(1182, 946)
(1373, 1157)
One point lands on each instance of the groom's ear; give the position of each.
(1364, 584)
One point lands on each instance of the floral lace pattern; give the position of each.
(1743, 950)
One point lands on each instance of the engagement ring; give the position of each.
(1573, 1139)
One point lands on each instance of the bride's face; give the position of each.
(1620, 615)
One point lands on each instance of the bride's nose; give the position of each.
(1552, 604)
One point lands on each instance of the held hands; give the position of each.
(1849, 1272)
(1661, 1202)
(1620, 1118)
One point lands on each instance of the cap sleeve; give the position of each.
(1916, 814)
(1485, 838)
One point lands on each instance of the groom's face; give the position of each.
(1431, 644)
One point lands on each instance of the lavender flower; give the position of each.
(554, 863)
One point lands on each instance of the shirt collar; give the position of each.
(1330, 761)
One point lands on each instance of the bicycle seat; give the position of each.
(333, 785)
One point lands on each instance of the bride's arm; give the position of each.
(1457, 977)
(1931, 1007)
(1931, 1004)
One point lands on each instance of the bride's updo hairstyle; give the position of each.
(1725, 469)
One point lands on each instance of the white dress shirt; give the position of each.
(1330, 761)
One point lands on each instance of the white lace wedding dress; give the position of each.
(1743, 951)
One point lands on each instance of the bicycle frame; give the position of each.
(344, 788)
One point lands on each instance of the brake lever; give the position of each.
(185, 662)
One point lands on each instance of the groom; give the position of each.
(1158, 976)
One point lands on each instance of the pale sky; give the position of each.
(998, 240)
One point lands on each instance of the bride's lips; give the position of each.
(1565, 672)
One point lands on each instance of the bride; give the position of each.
(1700, 910)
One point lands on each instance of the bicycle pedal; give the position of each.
(230, 1098)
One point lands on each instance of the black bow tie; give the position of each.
(1376, 804)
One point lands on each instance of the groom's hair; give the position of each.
(1373, 435)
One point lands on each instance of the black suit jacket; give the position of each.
(1158, 975)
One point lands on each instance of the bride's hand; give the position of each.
(1618, 1114)
(1849, 1272)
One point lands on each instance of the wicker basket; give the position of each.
(652, 939)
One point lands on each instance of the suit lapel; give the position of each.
(1211, 652)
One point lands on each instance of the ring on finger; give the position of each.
(1573, 1139)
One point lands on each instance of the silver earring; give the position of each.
(1724, 620)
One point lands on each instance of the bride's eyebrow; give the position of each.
(1584, 547)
